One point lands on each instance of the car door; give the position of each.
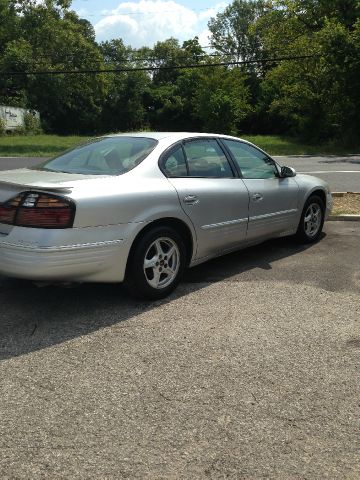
(273, 206)
(210, 193)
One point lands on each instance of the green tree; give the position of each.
(315, 98)
(124, 107)
(170, 98)
(222, 100)
(16, 57)
(50, 37)
(8, 23)
(313, 14)
(233, 32)
(12, 90)
(164, 55)
(115, 53)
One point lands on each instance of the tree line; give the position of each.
(282, 67)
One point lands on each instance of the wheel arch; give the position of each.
(320, 193)
(315, 192)
(179, 225)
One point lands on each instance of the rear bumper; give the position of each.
(97, 254)
(102, 261)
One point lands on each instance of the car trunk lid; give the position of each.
(13, 182)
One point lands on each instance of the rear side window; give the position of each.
(252, 162)
(206, 159)
(175, 164)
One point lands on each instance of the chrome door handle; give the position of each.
(257, 196)
(191, 200)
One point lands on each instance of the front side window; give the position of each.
(252, 162)
(206, 159)
(103, 156)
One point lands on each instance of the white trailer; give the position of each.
(13, 117)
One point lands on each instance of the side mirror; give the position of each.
(287, 172)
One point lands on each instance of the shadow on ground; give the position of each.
(33, 317)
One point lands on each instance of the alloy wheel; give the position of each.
(161, 263)
(312, 220)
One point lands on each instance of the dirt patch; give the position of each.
(347, 204)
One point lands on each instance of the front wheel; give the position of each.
(312, 220)
(156, 264)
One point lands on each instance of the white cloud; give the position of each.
(82, 12)
(212, 11)
(148, 21)
(204, 37)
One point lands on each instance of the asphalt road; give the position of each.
(341, 172)
(10, 163)
(249, 371)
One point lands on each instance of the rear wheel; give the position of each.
(156, 264)
(312, 220)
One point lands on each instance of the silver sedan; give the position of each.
(141, 208)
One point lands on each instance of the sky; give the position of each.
(144, 22)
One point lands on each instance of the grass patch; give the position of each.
(36, 145)
(50, 145)
(276, 145)
(349, 204)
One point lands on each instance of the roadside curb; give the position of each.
(342, 194)
(344, 218)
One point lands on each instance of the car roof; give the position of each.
(153, 135)
(163, 135)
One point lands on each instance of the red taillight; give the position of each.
(38, 210)
(7, 214)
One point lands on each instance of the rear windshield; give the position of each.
(103, 156)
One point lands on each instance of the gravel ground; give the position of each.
(347, 204)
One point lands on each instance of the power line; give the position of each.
(130, 59)
(152, 69)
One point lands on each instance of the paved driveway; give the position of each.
(249, 371)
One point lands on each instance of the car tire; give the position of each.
(156, 264)
(311, 221)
